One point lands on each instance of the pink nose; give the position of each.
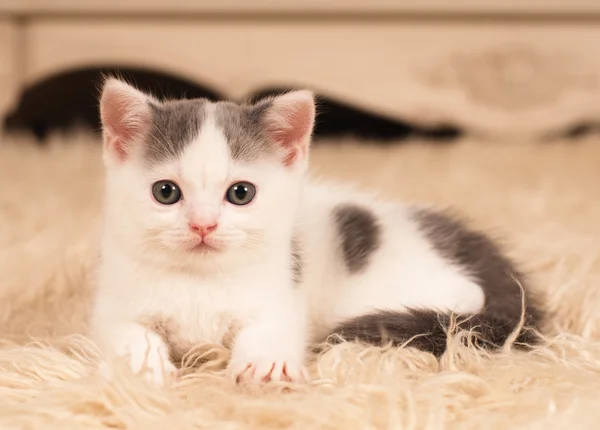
(202, 230)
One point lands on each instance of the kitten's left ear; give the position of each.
(289, 122)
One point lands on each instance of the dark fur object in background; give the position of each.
(71, 99)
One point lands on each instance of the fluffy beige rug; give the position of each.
(544, 199)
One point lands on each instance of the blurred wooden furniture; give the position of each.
(495, 67)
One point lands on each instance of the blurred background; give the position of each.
(384, 70)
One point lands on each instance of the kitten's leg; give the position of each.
(271, 349)
(145, 350)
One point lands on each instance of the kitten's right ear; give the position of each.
(289, 120)
(126, 116)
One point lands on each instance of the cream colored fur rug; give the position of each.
(543, 198)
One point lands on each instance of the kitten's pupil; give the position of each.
(240, 192)
(166, 191)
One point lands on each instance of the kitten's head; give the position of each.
(195, 179)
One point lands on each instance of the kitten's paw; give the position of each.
(265, 352)
(152, 363)
(265, 370)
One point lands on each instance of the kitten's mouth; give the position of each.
(204, 246)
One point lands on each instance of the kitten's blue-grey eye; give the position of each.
(166, 192)
(240, 193)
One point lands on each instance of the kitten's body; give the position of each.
(361, 255)
(301, 261)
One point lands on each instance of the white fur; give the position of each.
(147, 269)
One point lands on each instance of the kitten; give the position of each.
(214, 233)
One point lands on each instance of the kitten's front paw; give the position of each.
(267, 370)
(152, 363)
(264, 352)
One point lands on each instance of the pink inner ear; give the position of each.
(290, 121)
(125, 114)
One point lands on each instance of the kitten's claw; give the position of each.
(267, 371)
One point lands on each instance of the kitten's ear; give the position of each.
(126, 117)
(289, 121)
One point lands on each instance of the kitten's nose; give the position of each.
(203, 230)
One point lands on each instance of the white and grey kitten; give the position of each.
(214, 233)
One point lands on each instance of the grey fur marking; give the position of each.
(244, 130)
(483, 258)
(296, 262)
(359, 233)
(175, 124)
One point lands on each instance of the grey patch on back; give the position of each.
(483, 259)
(243, 129)
(296, 262)
(359, 233)
(174, 125)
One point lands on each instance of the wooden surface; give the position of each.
(429, 62)
(489, 78)
(145, 7)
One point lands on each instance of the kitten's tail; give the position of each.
(429, 330)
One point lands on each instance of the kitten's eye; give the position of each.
(240, 193)
(166, 192)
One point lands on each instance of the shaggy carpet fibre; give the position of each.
(543, 199)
